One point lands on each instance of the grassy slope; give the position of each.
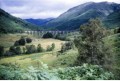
(24, 61)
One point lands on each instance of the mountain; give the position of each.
(113, 20)
(39, 22)
(10, 24)
(74, 17)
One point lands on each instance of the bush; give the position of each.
(48, 35)
(16, 43)
(18, 50)
(8, 53)
(1, 50)
(66, 46)
(85, 72)
(12, 50)
(51, 48)
(28, 40)
(39, 48)
(60, 37)
(31, 49)
(22, 41)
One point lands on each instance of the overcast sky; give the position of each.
(41, 8)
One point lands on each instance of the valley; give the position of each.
(83, 43)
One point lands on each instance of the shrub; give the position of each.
(8, 53)
(12, 50)
(24, 50)
(85, 72)
(53, 46)
(31, 49)
(18, 50)
(28, 40)
(49, 48)
(66, 46)
(48, 35)
(22, 41)
(1, 50)
(16, 43)
(39, 48)
(60, 37)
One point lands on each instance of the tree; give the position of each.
(49, 48)
(22, 41)
(16, 43)
(39, 48)
(116, 66)
(90, 44)
(53, 46)
(24, 50)
(31, 49)
(12, 50)
(18, 50)
(1, 50)
(48, 35)
(66, 46)
(28, 40)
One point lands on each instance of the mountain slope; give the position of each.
(10, 24)
(39, 22)
(74, 17)
(113, 20)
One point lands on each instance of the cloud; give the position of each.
(41, 8)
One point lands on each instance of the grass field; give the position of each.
(26, 60)
(49, 58)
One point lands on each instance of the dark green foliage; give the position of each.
(116, 66)
(22, 41)
(28, 40)
(48, 35)
(18, 50)
(16, 43)
(8, 53)
(90, 44)
(60, 37)
(31, 49)
(66, 46)
(12, 50)
(39, 48)
(1, 50)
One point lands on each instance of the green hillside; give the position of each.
(10, 24)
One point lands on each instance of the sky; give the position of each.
(41, 9)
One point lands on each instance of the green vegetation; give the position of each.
(93, 55)
(48, 35)
(90, 45)
(1, 50)
(87, 72)
(11, 24)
